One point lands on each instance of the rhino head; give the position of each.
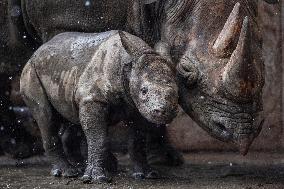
(152, 82)
(217, 45)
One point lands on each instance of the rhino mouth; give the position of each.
(162, 116)
(242, 138)
(227, 121)
(239, 131)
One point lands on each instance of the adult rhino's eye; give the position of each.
(144, 91)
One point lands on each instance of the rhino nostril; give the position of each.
(222, 132)
(221, 127)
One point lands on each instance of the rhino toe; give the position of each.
(138, 176)
(56, 172)
(86, 179)
(152, 174)
(95, 174)
(65, 170)
(71, 172)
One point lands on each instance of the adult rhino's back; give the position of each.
(51, 17)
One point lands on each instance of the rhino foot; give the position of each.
(146, 174)
(138, 176)
(65, 171)
(95, 175)
(152, 174)
(56, 172)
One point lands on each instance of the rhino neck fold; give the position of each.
(126, 72)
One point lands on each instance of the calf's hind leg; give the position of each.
(47, 120)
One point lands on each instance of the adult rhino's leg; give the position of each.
(93, 118)
(48, 122)
(137, 152)
(71, 137)
(159, 148)
(14, 139)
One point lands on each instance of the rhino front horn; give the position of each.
(242, 78)
(224, 44)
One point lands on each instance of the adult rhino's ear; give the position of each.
(187, 70)
(272, 1)
(135, 46)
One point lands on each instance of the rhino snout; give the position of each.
(167, 112)
(162, 112)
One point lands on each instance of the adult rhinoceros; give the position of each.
(188, 27)
(217, 45)
(29, 23)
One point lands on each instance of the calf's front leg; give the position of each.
(93, 118)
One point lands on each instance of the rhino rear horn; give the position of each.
(225, 41)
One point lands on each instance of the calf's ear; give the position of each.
(272, 1)
(134, 46)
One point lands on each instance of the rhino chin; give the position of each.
(159, 120)
(244, 141)
(244, 144)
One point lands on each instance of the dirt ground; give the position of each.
(201, 170)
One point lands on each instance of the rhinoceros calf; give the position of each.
(97, 80)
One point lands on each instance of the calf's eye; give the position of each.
(144, 90)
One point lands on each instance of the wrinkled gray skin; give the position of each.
(97, 80)
(217, 48)
(26, 24)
